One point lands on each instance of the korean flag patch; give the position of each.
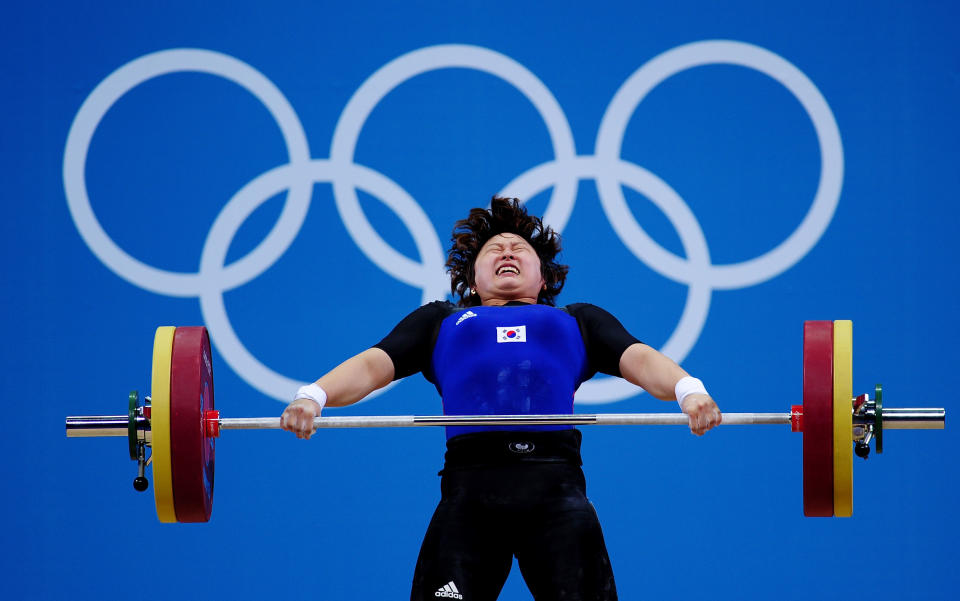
(512, 334)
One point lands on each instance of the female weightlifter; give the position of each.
(506, 349)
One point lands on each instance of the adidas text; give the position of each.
(448, 590)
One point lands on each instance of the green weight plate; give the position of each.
(878, 419)
(132, 405)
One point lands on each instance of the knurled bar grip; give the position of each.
(603, 419)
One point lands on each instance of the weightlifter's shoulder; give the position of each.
(586, 311)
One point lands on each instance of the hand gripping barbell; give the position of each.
(178, 421)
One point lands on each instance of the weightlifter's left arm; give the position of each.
(659, 375)
(615, 351)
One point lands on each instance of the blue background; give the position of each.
(341, 517)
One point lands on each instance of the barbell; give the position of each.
(179, 423)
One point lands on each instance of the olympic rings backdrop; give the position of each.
(288, 176)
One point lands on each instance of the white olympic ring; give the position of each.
(562, 174)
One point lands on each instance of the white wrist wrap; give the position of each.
(312, 392)
(686, 386)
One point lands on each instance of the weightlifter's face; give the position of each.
(506, 269)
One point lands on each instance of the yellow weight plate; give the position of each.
(160, 424)
(843, 418)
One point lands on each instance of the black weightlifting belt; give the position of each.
(481, 449)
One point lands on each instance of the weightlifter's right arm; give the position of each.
(344, 385)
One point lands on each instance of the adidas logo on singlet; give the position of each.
(466, 315)
(448, 590)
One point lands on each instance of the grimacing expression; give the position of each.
(507, 267)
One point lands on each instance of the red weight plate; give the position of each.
(817, 418)
(191, 450)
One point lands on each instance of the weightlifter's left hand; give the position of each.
(702, 412)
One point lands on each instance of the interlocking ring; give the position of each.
(562, 174)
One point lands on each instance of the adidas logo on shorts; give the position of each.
(448, 590)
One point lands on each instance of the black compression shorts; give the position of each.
(528, 503)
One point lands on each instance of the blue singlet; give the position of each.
(526, 359)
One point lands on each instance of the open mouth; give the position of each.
(508, 269)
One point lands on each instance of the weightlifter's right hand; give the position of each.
(298, 417)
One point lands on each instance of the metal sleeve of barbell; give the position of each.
(408, 421)
(913, 419)
(83, 426)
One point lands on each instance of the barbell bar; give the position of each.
(180, 424)
(81, 426)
